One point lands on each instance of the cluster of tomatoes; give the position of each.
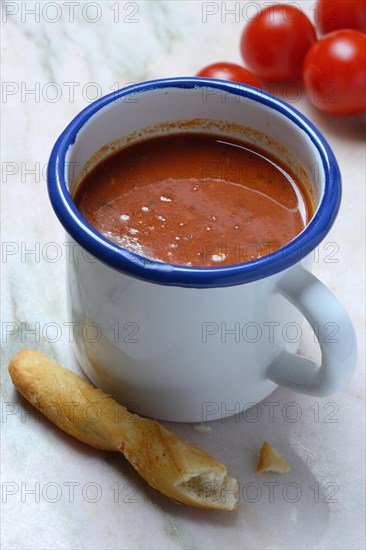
(280, 44)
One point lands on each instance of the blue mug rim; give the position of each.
(187, 276)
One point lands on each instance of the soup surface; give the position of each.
(194, 199)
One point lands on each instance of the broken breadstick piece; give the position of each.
(271, 461)
(179, 470)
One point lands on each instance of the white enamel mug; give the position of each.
(192, 344)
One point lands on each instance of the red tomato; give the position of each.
(334, 73)
(229, 71)
(274, 43)
(331, 15)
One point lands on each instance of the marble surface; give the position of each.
(58, 493)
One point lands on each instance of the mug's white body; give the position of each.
(175, 353)
(173, 343)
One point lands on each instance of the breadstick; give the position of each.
(174, 467)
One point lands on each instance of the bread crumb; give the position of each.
(271, 461)
(203, 428)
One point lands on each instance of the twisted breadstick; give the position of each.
(177, 469)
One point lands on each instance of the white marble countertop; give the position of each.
(58, 493)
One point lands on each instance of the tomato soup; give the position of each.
(194, 199)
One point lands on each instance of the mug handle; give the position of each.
(320, 307)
